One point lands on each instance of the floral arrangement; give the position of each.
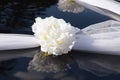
(55, 36)
(70, 6)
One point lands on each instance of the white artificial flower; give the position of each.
(70, 6)
(54, 35)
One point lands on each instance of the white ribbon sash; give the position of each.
(101, 37)
(17, 41)
(109, 8)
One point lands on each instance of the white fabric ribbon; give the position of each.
(102, 38)
(109, 8)
(17, 41)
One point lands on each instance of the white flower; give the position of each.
(70, 6)
(54, 35)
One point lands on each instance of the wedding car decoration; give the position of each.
(57, 37)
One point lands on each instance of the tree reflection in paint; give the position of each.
(21, 13)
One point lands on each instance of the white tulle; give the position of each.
(102, 38)
(17, 41)
(110, 8)
(110, 5)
